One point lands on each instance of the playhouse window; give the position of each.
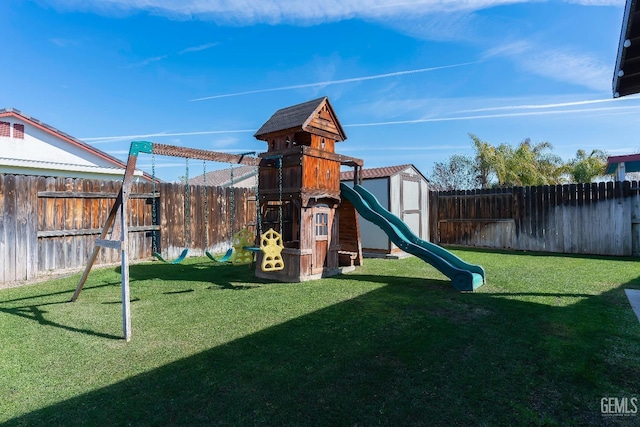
(5, 129)
(322, 224)
(18, 130)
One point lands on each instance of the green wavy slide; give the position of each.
(464, 276)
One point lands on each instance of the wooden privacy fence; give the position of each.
(600, 218)
(50, 224)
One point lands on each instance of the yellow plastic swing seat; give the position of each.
(271, 246)
(241, 240)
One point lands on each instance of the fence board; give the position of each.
(4, 263)
(575, 218)
(49, 224)
(10, 209)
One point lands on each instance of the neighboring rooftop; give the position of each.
(115, 165)
(222, 177)
(382, 172)
(6, 112)
(631, 163)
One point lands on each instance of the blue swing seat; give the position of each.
(226, 257)
(178, 260)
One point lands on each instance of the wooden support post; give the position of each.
(118, 210)
(124, 263)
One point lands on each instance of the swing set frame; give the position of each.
(117, 219)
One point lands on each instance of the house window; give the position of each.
(5, 129)
(18, 130)
(322, 224)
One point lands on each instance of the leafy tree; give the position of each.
(526, 164)
(485, 159)
(530, 164)
(585, 168)
(457, 173)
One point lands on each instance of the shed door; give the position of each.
(410, 202)
(322, 231)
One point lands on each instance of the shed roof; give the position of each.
(382, 172)
(631, 163)
(298, 117)
(626, 75)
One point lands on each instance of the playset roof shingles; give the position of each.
(298, 117)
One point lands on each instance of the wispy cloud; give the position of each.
(334, 82)
(553, 63)
(249, 12)
(594, 74)
(148, 61)
(597, 2)
(198, 48)
(165, 56)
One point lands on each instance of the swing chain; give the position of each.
(187, 206)
(206, 211)
(280, 191)
(257, 186)
(232, 203)
(154, 213)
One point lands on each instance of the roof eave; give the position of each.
(624, 33)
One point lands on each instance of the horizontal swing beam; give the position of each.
(190, 153)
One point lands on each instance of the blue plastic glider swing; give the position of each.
(227, 256)
(187, 214)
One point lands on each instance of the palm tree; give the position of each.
(585, 168)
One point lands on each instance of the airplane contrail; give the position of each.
(600, 111)
(489, 116)
(334, 82)
(99, 139)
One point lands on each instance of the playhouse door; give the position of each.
(322, 231)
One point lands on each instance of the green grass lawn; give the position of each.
(389, 344)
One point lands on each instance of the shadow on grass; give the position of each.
(35, 313)
(220, 275)
(403, 354)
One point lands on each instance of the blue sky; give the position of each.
(409, 80)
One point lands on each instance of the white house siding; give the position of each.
(45, 153)
(42, 146)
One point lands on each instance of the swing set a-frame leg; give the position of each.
(118, 211)
(107, 226)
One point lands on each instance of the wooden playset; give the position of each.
(304, 232)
